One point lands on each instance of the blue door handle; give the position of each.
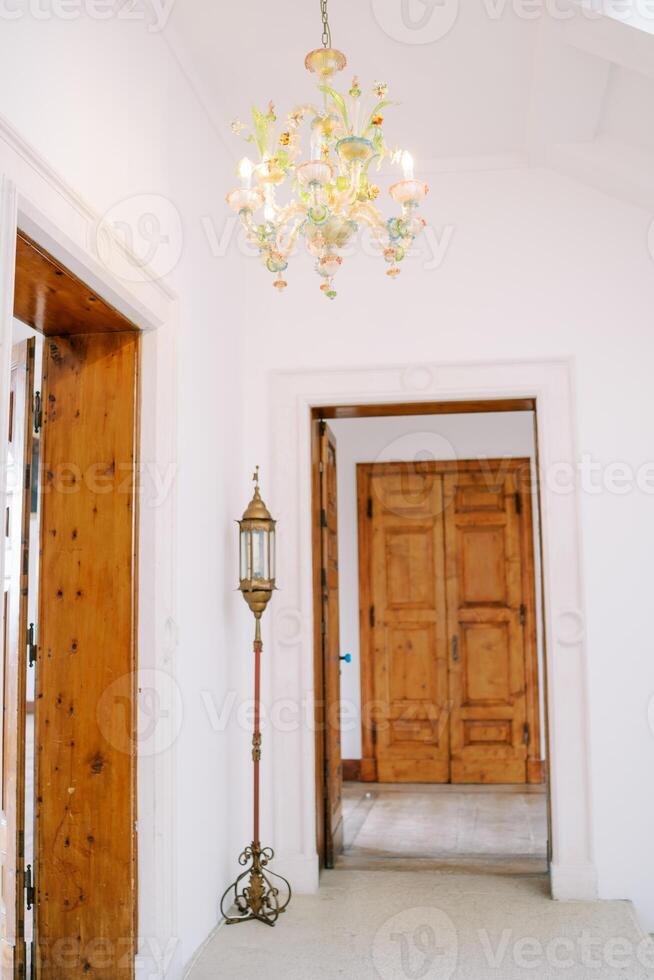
(347, 658)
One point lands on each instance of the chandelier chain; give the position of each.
(326, 31)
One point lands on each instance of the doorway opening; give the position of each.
(68, 774)
(431, 746)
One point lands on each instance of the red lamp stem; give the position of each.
(256, 741)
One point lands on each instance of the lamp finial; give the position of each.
(255, 476)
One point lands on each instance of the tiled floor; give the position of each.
(448, 827)
(377, 925)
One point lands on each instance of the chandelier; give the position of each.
(322, 155)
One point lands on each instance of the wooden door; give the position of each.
(448, 637)
(85, 697)
(407, 626)
(333, 770)
(486, 614)
(14, 667)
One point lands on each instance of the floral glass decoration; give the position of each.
(322, 153)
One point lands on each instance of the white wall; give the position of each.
(408, 439)
(539, 266)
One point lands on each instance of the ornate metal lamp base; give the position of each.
(259, 898)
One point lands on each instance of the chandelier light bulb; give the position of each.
(245, 171)
(407, 165)
(316, 145)
(330, 197)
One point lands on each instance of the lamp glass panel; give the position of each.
(259, 554)
(272, 558)
(245, 555)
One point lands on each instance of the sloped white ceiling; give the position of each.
(481, 84)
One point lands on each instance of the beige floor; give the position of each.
(377, 925)
(473, 829)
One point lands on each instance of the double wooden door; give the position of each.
(448, 644)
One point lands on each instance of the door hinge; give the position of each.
(369, 506)
(526, 736)
(323, 517)
(31, 646)
(29, 888)
(38, 411)
(523, 614)
(323, 577)
(518, 502)
(372, 615)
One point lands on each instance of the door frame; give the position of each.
(36, 200)
(364, 471)
(295, 398)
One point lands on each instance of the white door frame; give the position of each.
(291, 794)
(37, 200)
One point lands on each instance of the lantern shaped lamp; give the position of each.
(257, 574)
(254, 894)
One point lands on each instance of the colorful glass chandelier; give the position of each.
(323, 155)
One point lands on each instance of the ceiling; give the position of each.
(493, 84)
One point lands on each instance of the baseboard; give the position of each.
(535, 772)
(301, 870)
(368, 770)
(352, 770)
(574, 882)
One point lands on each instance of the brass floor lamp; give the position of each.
(254, 895)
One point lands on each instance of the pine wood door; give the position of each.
(407, 622)
(85, 722)
(333, 775)
(449, 661)
(14, 667)
(486, 611)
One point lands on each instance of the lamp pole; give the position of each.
(256, 738)
(254, 894)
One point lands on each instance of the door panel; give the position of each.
(331, 647)
(17, 516)
(85, 699)
(408, 628)
(484, 597)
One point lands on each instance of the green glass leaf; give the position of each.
(339, 102)
(261, 129)
(366, 166)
